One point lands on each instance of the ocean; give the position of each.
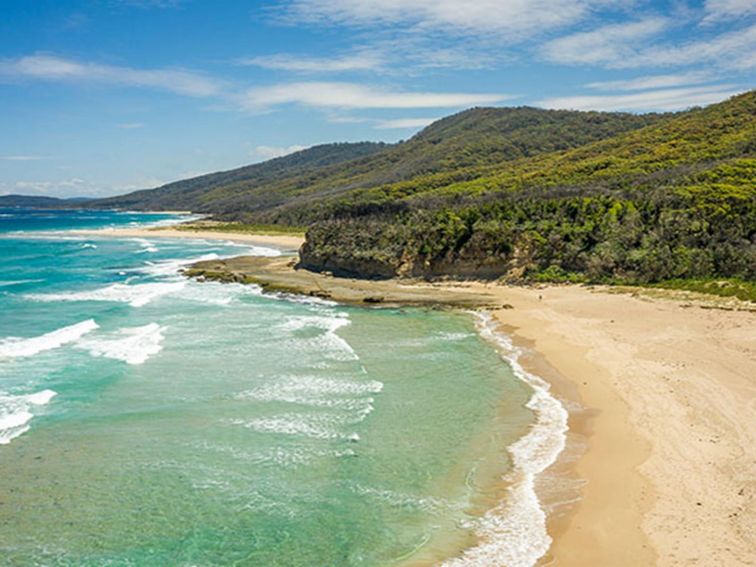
(146, 419)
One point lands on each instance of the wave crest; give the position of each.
(16, 413)
(15, 347)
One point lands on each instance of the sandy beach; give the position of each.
(284, 241)
(669, 393)
(662, 391)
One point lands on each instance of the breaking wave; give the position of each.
(15, 347)
(514, 532)
(134, 345)
(17, 411)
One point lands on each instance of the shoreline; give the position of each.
(515, 531)
(653, 452)
(287, 242)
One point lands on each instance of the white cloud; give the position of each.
(34, 187)
(352, 95)
(74, 187)
(52, 68)
(341, 119)
(21, 158)
(720, 10)
(656, 100)
(607, 45)
(515, 19)
(301, 64)
(624, 46)
(270, 152)
(735, 50)
(404, 123)
(652, 82)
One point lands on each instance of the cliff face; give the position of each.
(375, 253)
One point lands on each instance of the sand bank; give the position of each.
(667, 388)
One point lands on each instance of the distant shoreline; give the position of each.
(660, 425)
(287, 242)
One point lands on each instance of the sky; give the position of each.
(102, 97)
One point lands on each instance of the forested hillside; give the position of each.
(676, 199)
(521, 193)
(472, 139)
(246, 186)
(38, 202)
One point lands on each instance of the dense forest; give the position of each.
(523, 193)
(455, 145)
(246, 188)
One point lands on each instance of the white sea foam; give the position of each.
(172, 267)
(329, 342)
(56, 235)
(17, 347)
(316, 386)
(10, 283)
(132, 345)
(314, 426)
(399, 500)
(251, 250)
(89, 245)
(216, 293)
(454, 336)
(16, 413)
(353, 400)
(514, 532)
(169, 222)
(292, 455)
(135, 295)
(344, 403)
(147, 246)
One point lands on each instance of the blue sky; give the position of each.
(99, 97)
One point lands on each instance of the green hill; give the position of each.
(38, 202)
(521, 193)
(676, 199)
(248, 185)
(474, 138)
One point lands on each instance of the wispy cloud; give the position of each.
(130, 125)
(21, 158)
(322, 95)
(733, 50)
(661, 100)
(73, 186)
(637, 44)
(722, 10)
(404, 123)
(609, 45)
(304, 64)
(353, 95)
(271, 152)
(514, 19)
(653, 82)
(52, 68)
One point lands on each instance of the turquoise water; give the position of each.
(150, 420)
